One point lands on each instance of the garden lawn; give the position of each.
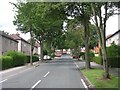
(95, 77)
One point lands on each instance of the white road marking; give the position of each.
(3, 81)
(84, 83)
(35, 84)
(46, 74)
(76, 65)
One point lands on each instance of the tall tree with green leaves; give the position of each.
(24, 20)
(100, 22)
(82, 12)
(49, 23)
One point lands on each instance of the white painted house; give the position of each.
(113, 38)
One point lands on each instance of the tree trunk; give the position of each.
(86, 27)
(102, 38)
(41, 50)
(31, 47)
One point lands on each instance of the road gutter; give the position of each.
(86, 83)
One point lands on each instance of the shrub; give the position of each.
(34, 58)
(82, 54)
(98, 60)
(91, 54)
(6, 62)
(18, 58)
(114, 61)
(113, 55)
(45, 52)
(52, 55)
(113, 50)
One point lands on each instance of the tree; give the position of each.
(93, 39)
(82, 12)
(74, 35)
(24, 20)
(42, 20)
(50, 22)
(100, 22)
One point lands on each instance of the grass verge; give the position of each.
(95, 77)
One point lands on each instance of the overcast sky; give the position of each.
(7, 17)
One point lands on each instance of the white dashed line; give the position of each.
(3, 81)
(46, 74)
(84, 83)
(76, 65)
(35, 84)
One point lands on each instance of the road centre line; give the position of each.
(35, 84)
(46, 74)
(3, 81)
(84, 83)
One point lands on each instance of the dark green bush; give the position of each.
(82, 53)
(45, 52)
(91, 55)
(113, 55)
(18, 58)
(34, 58)
(52, 55)
(113, 50)
(6, 62)
(114, 61)
(98, 60)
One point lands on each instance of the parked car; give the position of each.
(58, 55)
(47, 57)
(75, 56)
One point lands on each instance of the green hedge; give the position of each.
(113, 55)
(98, 60)
(34, 59)
(114, 62)
(6, 62)
(91, 55)
(18, 58)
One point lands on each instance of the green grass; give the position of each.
(95, 77)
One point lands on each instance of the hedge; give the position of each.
(98, 60)
(34, 58)
(114, 61)
(18, 58)
(6, 62)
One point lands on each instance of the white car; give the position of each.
(47, 57)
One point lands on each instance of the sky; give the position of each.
(7, 16)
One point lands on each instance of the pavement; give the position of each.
(59, 73)
(114, 71)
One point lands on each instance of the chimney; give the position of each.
(17, 34)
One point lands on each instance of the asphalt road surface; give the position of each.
(59, 73)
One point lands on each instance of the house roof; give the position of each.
(109, 36)
(17, 37)
(2, 33)
(36, 43)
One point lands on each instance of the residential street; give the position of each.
(59, 73)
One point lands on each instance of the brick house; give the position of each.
(23, 45)
(7, 43)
